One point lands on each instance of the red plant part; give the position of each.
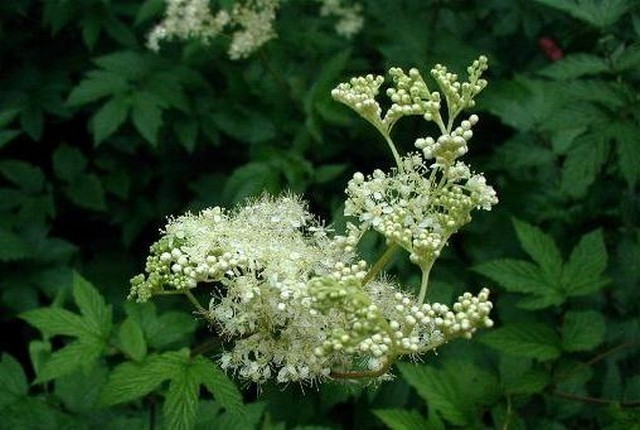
(550, 49)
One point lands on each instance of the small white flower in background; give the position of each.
(249, 22)
(295, 300)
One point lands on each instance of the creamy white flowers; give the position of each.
(293, 299)
(250, 23)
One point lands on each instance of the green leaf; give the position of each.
(249, 180)
(583, 163)
(524, 277)
(131, 340)
(457, 392)
(540, 247)
(68, 163)
(400, 419)
(218, 384)
(164, 330)
(27, 177)
(245, 125)
(532, 340)
(39, 353)
(97, 314)
(583, 273)
(109, 118)
(149, 10)
(98, 84)
(130, 381)
(76, 355)
(441, 395)
(79, 390)
(328, 172)
(186, 131)
(518, 377)
(626, 134)
(128, 64)
(181, 402)
(7, 136)
(7, 116)
(87, 192)
(13, 247)
(598, 13)
(91, 24)
(56, 321)
(146, 116)
(13, 382)
(575, 66)
(582, 331)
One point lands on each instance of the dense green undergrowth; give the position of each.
(101, 139)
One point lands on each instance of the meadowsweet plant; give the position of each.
(292, 297)
(249, 23)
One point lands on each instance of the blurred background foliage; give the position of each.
(101, 139)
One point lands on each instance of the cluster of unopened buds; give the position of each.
(294, 300)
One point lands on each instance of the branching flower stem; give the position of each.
(384, 259)
(425, 282)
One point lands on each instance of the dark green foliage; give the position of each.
(100, 139)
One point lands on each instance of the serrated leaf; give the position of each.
(87, 192)
(130, 381)
(24, 175)
(79, 390)
(131, 340)
(583, 273)
(599, 13)
(98, 84)
(146, 116)
(439, 394)
(181, 401)
(457, 391)
(400, 419)
(523, 277)
(532, 340)
(91, 24)
(68, 163)
(540, 247)
(218, 384)
(109, 118)
(13, 382)
(518, 377)
(76, 355)
(13, 247)
(39, 353)
(582, 331)
(56, 321)
(583, 163)
(97, 314)
(574, 66)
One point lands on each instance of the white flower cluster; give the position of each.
(294, 301)
(250, 22)
(289, 298)
(350, 19)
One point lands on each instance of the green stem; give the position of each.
(380, 263)
(194, 301)
(425, 282)
(392, 147)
